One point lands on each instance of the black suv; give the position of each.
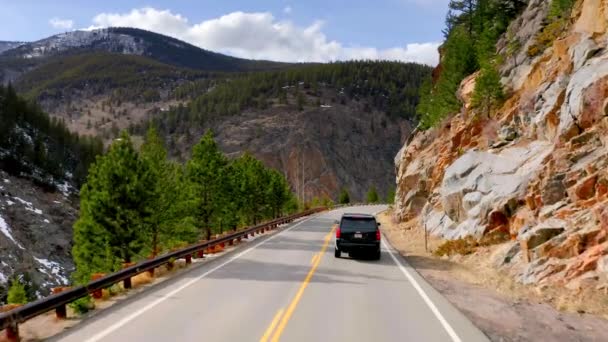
(358, 233)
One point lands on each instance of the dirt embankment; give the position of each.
(502, 308)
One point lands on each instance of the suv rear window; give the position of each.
(354, 224)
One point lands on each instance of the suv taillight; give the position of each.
(338, 232)
(378, 235)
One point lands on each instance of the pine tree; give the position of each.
(278, 192)
(115, 211)
(206, 172)
(344, 196)
(168, 196)
(252, 180)
(390, 197)
(372, 195)
(301, 101)
(17, 293)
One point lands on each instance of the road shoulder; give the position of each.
(502, 315)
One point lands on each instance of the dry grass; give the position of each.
(479, 268)
(469, 245)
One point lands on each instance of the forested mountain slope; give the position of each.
(325, 126)
(42, 165)
(372, 104)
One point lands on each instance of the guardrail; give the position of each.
(10, 320)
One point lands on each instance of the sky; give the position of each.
(290, 31)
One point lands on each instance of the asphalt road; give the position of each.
(288, 287)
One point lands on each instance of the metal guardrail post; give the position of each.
(12, 333)
(9, 320)
(61, 312)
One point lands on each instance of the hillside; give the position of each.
(42, 165)
(372, 104)
(327, 126)
(520, 157)
(8, 45)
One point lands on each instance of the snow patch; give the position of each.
(3, 278)
(65, 188)
(9, 203)
(6, 181)
(4, 228)
(46, 221)
(55, 269)
(29, 206)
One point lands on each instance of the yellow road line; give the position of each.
(314, 258)
(298, 296)
(274, 323)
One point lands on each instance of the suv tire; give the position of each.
(337, 253)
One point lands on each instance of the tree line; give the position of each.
(138, 203)
(391, 87)
(472, 29)
(40, 146)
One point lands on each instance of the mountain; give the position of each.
(372, 104)
(324, 126)
(522, 158)
(131, 41)
(25, 57)
(9, 45)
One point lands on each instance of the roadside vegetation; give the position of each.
(137, 204)
(472, 29)
(17, 293)
(372, 195)
(469, 244)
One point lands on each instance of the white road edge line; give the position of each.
(139, 312)
(448, 328)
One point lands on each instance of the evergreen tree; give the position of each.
(278, 192)
(115, 211)
(206, 172)
(390, 197)
(372, 195)
(344, 196)
(301, 101)
(17, 293)
(168, 196)
(252, 183)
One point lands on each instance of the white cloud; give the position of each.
(287, 10)
(261, 36)
(62, 24)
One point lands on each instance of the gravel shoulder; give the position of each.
(502, 308)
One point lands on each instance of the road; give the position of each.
(288, 287)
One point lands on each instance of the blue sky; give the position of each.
(282, 30)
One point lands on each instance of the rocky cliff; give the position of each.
(537, 167)
(35, 235)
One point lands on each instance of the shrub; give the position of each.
(16, 293)
(462, 246)
(468, 245)
(82, 305)
(494, 237)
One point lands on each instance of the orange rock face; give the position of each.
(559, 98)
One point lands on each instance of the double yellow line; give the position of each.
(282, 317)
